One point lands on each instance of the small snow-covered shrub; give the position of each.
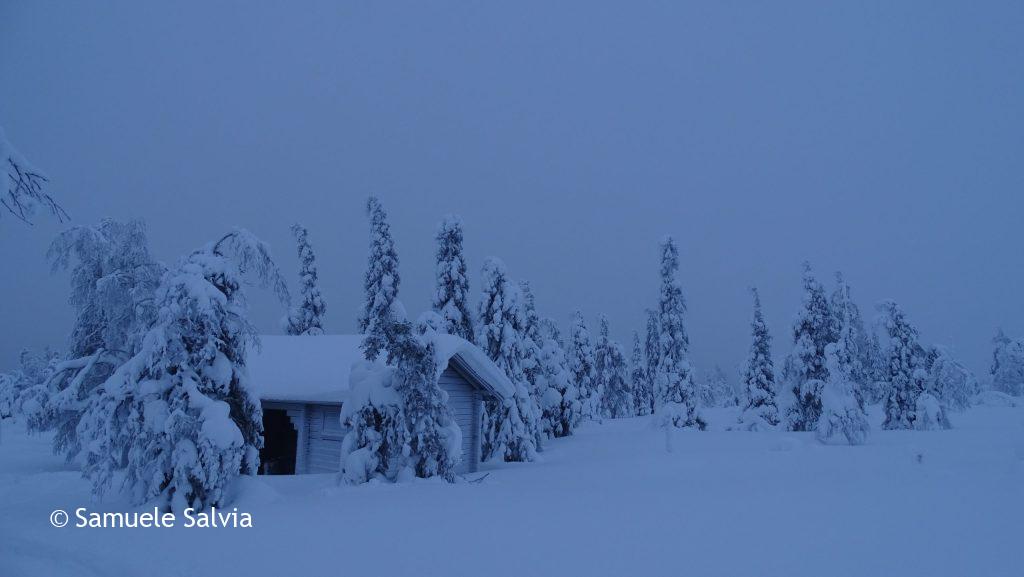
(373, 417)
(994, 399)
(930, 413)
(1008, 365)
(842, 418)
(951, 382)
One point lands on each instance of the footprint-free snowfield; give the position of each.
(609, 501)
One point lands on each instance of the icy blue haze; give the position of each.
(536, 288)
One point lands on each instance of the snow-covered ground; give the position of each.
(610, 501)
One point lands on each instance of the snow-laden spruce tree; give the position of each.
(950, 381)
(805, 369)
(451, 295)
(374, 420)
(618, 392)
(177, 421)
(1008, 365)
(433, 442)
(652, 353)
(380, 285)
(580, 358)
(306, 318)
(113, 280)
(532, 343)
(878, 370)
(760, 411)
(602, 350)
(531, 338)
(860, 365)
(675, 390)
(643, 395)
(905, 358)
(559, 402)
(842, 419)
(22, 187)
(511, 428)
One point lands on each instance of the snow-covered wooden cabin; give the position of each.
(303, 381)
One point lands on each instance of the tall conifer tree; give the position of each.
(380, 285)
(675, 389)
(451, 295)
(307, 318)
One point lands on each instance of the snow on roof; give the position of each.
(303, 368)
(318, 368)
(476, 361)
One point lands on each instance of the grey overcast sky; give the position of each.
(881, 138)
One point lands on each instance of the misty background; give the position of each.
(881, 139)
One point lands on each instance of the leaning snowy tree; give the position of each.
(177, 421)
(306, 318)
(842, 418)
(950, 381)
(643, 396)
(805, 369)
(451, 295)
(579, 356)
(675, 390)
(380, 284)
(23, 189)
(559, 402)
(113, 280)
(510, 429)
(760, 411)
(905, 361)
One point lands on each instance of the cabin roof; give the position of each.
(316, 369)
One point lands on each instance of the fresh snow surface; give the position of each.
(303, 367)
(609, 501)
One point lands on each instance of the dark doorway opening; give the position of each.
(280, 440)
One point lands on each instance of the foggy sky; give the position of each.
(883, 139)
